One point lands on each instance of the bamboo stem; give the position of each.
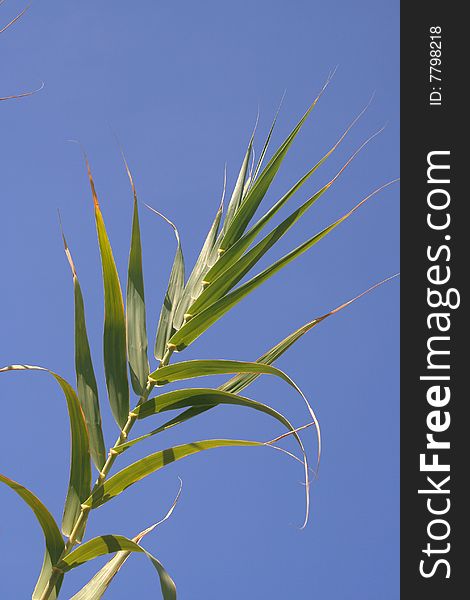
(81, 520)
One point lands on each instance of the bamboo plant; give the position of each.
(231, 250)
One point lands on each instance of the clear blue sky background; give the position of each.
(180, 83)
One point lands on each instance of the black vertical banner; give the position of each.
(435, 268)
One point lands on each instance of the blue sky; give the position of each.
(180, 83)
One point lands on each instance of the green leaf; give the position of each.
(136, 471)
(201, 368)
(231, 256)
(100, 582)
(137, 342)
(193, 287)
(172, 296)
(87, 389)
(209, 398)
(237, 193)
(242, 265)
(261, 185)
(114, 337)
(202, 321)
(80, 467)
(197, 398)
(186, 415)
(54, 542)
(267, 141)
(241, 381)
(108, 544)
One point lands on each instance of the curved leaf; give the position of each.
(114, 335)
(241, 381)
(108, 544)
(172, 296)
(54, 542)
(87, 389)
(136, 471)
(201, 368)
(80, 467)
(137, 343)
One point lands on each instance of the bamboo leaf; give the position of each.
(193, 287)
(267, 141)
(172, 296)
(80, 467)
(186, 415)
(114, 336)
(237, 193)
(100, 582)
(137, 343)
(231, 256)
(242, 265)
(208, 398)
(116, 484)
(53, 538)
(241, 381)
(108, 544)
(196, 397)
(202, 321)
(261, 184)
(201, 368)
(87, 389)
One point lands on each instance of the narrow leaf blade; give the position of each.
(193, 287)
(100, 582)
(262, 183)
(201, 368)
(114, 336)
(53, 538)
(137, 343)
(87, 389)
(80, 465)
(108, 544)
(241, 381)
(116, 484)
(202, 321)
(172, 296)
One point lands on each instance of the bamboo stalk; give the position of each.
(71, 541)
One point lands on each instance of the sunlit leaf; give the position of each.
(172, 296)
(137, 343)
(231, 256)
(114, 336)
(202, 321)
(108, 544)
(54, 542)
(145, 466)
(100, 582)
(261, 185)
(241, 381)
(201, 368)
(80, 467)
(87, 389)
(237, 193)
(193, 287)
